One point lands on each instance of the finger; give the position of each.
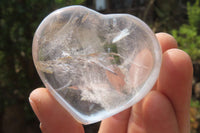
(158, 109)
(115, 124)
(175, 82)
(166, 41)
(155, 115)
(53, 117)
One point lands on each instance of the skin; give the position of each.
(165, 109)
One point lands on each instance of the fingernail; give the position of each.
(41, 127)
(34, 107)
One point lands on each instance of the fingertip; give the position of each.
(178, 65)
(166, 41)
(34, 100)
(35, 94)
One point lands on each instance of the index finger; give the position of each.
(53, 117)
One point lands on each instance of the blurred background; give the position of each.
(20, 18)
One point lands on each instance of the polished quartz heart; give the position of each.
(95, 65)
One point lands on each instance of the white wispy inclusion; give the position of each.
(103, 95)
(121, 35)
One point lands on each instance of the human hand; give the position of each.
(165, 109)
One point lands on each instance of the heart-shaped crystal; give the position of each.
(95, 65)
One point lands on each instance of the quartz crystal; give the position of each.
(95, 65)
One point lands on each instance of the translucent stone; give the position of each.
(95, 65)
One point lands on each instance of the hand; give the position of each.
(164, 110)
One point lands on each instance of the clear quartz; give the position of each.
(95, 65)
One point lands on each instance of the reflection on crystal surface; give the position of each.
(96, 63)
